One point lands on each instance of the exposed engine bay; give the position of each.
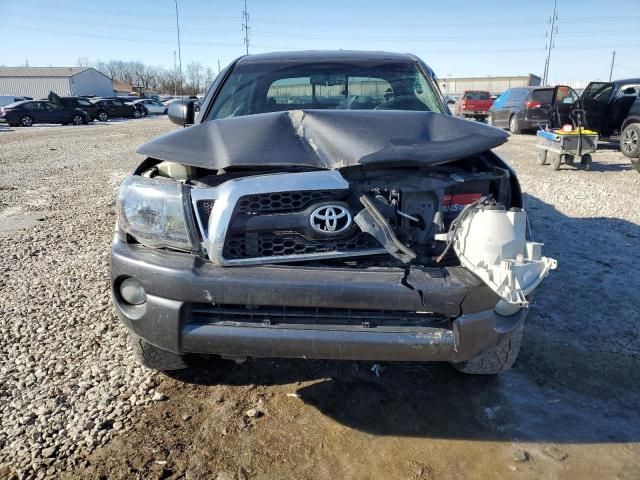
(460, 213)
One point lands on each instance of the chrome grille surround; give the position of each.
(226, 196)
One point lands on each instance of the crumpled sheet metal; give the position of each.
(327, 139)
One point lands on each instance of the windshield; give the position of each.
(261, 88)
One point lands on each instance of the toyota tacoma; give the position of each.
(325, 205)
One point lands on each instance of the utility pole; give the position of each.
(245, 26)
(179, 51)
(175, 70)
(552, 31)
(613, 62)
(218, 66)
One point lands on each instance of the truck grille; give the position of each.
(301, 316)
(283, 202)
(269, 244)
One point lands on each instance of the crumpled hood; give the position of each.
(328, 139)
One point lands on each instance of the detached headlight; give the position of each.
(153, 212)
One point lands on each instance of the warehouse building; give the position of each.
(494, 85)
(37, 82)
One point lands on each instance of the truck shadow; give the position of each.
(577, 379)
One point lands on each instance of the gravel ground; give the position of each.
(73, 403)
(69, 383)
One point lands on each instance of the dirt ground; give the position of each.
(567, 410)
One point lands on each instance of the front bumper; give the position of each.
(176, 282)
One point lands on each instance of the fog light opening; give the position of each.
(132, 291)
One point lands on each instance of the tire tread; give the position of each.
(494, 361)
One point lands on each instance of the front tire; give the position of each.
(155, 358)
(497, 360)
(136, 114)
(514, 125)
(77, 120)
(26, 121)
(103, 116)
(630, 141)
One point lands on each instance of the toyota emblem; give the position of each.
(330, 219)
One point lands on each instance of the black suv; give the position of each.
(521, 109)
(107, 108)
(81, 103)
(293, 221)
(610, 108)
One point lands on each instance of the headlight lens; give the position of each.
(152, 211)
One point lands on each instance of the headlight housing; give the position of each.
(153, 212)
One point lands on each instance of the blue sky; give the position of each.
(461, 38)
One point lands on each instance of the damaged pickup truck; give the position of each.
(311, 213)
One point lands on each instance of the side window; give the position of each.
(598, 92)
(28, 106)
(504, 98)
(629, 91)
(84, 103)
(52, 107)
(517, 96)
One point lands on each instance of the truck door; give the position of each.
(596, 101)
(563, 102)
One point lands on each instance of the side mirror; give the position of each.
(451, 101)
(182, 112)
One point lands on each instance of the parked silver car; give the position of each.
(152, 106)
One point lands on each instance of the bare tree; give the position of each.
(194, 77)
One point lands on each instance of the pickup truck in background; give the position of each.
(473, 104)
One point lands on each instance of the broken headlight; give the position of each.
(153, 212)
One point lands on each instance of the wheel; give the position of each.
(77, 119)
(586, 162)
(542, 156)
(103, 116)
(26, 121)
(155, 358)
(136, 113)
(568, 159)
(630, 141)
(165, 111)
(514, 126)
(494, 361)
(145, 112)
(555, 161)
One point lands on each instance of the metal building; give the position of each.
(494, 85)
(37, 82)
